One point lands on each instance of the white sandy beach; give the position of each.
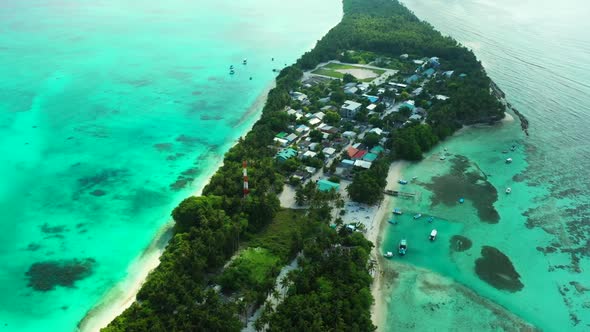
(374, 235)
(122, 295)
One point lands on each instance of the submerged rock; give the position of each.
(45, 276)
(460, 243)
(496, 269)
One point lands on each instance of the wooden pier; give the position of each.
(396, 193)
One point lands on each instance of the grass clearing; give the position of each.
(257, 266)
(280, 236)
(337, 70)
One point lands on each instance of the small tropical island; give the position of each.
(282, 238)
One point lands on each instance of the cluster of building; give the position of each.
(339, 147)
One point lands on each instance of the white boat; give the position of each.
(397, 211)
(402, 181)
(443, 157)
(245, 61)
(508, 190)
(418, 216)
(388, 254)
(403, 247)
(509, 160)
(433, 235)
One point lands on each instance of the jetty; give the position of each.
(397, 193)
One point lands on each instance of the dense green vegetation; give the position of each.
(331, 290)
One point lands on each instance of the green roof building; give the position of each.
(285, 154)
(377, 149)
(370, 157)
(325, 185)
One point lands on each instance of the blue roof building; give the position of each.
(412, 79)
(429, 72)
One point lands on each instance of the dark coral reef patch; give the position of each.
(45, 276)
(467, 181)
(496, 269)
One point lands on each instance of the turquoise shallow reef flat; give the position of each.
(111, 112)
(529, 250)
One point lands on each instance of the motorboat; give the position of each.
(430, 219)
(231, 72)
(433, 234)
(392, 221)
(461, 200)
(508, 190)
(402, 181)
(403, 247)
(245, 61)
(397, 211)
(418, 216)
(443, 157)
(414, 177)
(509, 160)
(513, 147)
(388, 254)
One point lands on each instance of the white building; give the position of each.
(329, 151)
(350, 108)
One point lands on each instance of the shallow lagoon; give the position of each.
(111, 112)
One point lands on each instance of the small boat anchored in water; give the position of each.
(509, 160)
(402, 181)
(388, 254)
(508, 190)
(433, 234)
(418, 216)
(245, 62)
(397, 211)
(403, 247)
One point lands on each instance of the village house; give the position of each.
(412, 79)
(314, 122)
(300, 97)
(350, 109)
(349, 134)
(429, 72)
(319, 115)
(362, 164)
(329, 152)
(328, 108)
(301, 129)
(285, 154)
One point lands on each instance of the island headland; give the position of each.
(283, 236)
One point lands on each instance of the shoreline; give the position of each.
(122, 295)
(378, 309)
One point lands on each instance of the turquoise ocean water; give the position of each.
(537, 52)
(111, 112)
